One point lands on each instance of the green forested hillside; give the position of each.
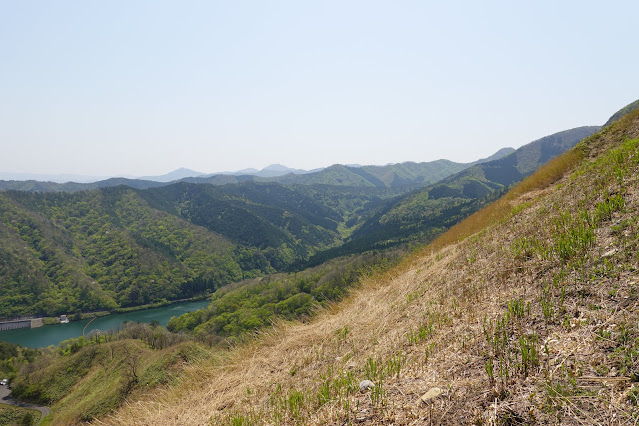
(253, 304)
(98, 250)
(283, 223)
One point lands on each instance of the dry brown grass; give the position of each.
(457, 288)
(546, 175)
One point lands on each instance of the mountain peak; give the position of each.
(277, 167)
(176, 174)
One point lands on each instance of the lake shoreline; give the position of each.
(79, 316)
(53, 334)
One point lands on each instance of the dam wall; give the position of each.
(12, 325)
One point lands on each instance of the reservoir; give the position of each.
(54, 334)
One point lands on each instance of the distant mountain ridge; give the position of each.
(175, 175)
(55, 178)
(406, 174)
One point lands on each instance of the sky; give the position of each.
(144, 87)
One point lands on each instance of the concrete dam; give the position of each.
(22, 323)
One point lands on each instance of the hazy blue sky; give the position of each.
(145, 87)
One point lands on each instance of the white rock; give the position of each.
(431, 394)
(364, 385)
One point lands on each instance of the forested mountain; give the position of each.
(118, 247)
(67, 252)
(256, 215)
(424, 213)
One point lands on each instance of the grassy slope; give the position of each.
(82, 380)
(107, 380)
(558, 260)
(623, 111)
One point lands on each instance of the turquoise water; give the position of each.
(53, 334)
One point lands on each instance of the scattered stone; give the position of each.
(365, 385)
(431, 394)
(609, 253)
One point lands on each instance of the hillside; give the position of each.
(258, 215)
(532, 318)
(64, 253)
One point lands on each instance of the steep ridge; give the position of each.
(532, 319)
(623, 111)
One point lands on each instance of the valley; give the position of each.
(122, 246)
(315, 287)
